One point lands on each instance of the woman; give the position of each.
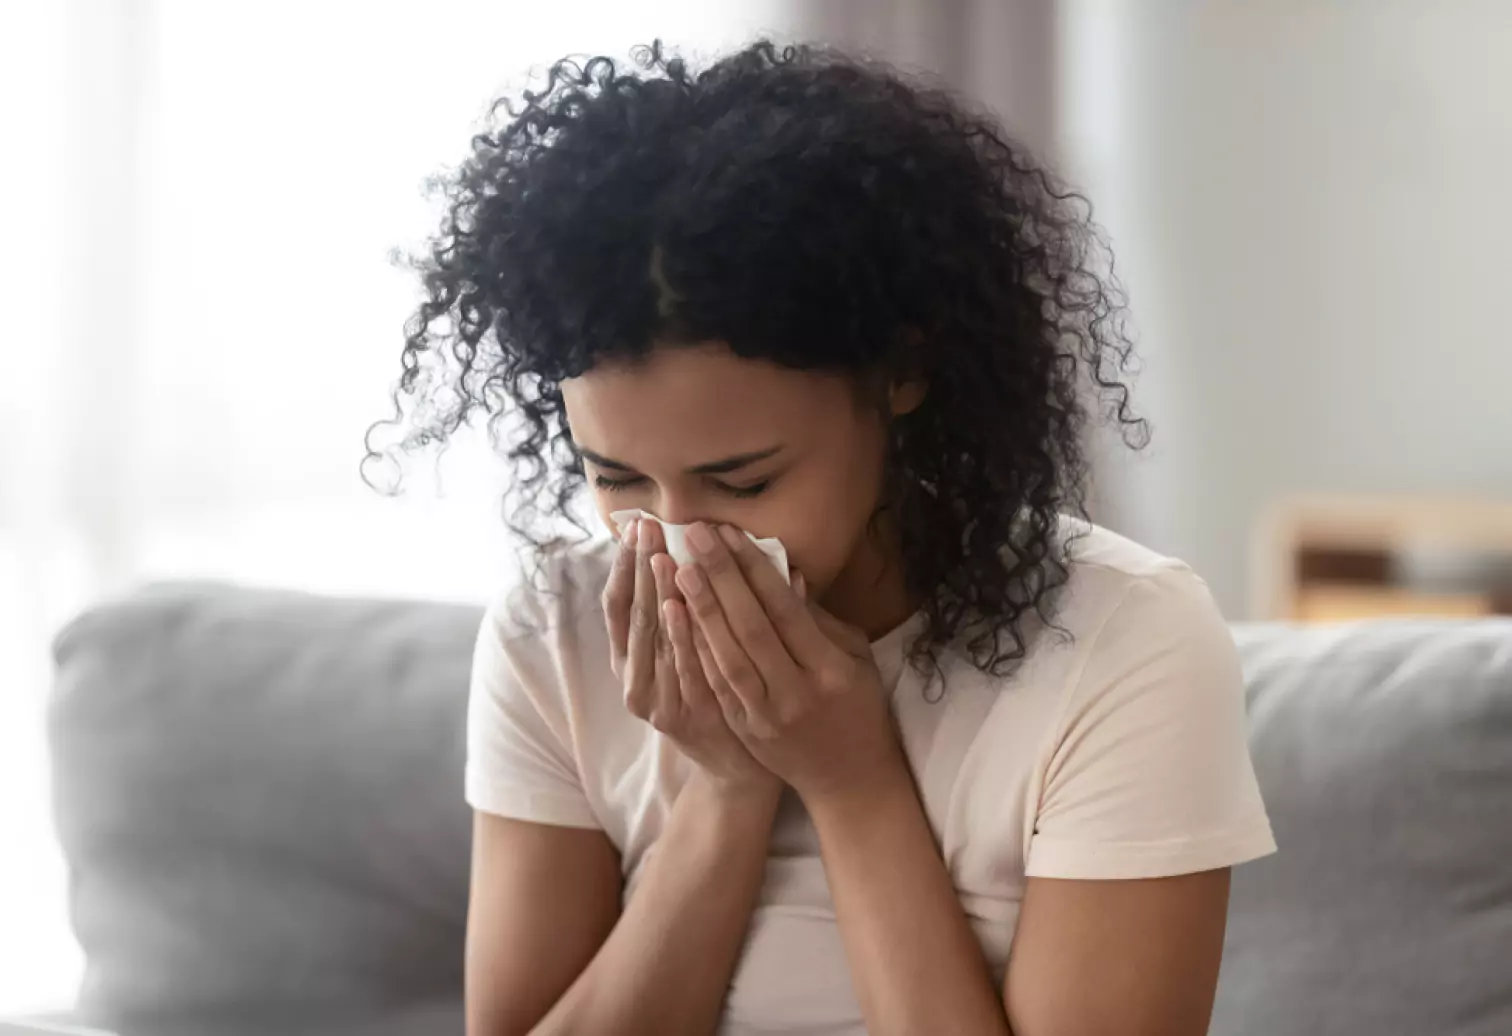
(969, 765)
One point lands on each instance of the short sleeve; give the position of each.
(519, 763)
(1150, 773)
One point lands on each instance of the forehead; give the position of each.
(687, 405)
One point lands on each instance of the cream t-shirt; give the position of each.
(1117, 753)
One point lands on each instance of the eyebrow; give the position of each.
(715, 467)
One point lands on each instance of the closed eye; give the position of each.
(617, 485)
(614, 485)
(745, 492)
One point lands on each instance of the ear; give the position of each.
(908, 387)
(906, 396)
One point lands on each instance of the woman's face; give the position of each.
(700, 434)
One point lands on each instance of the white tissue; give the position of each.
(676, 537)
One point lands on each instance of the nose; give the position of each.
(676, 510)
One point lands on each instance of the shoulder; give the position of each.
(540, 649)
(1102, 556)
(542, 652)
(1117, 589)
(1134, 635)
(543, 637)
(552, 592)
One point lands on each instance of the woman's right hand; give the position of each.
(663, 664)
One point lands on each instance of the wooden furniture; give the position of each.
(1324, 559)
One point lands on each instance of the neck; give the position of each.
(870, 592)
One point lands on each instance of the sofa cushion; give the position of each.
(1384, 751)
(259, 794)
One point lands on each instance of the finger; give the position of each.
(729, 701)
(640, 655)
(742, 612)
(800, 585)
(619, 592)
(781, 604)
(729, 659)
(694, 683)
(669, 701)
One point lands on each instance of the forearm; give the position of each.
(666, 966)
(915, 962)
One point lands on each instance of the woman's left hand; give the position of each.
(799, 687)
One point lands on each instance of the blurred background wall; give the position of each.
(1309, 203)
(1313, 203)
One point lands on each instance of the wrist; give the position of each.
(846, 803)
(743, 803)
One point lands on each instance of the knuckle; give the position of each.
(642, 619)
(743, 675)
(787, 607)
(687, 673)
(835, 678)
(719, 562)
(760, 727)
(751, 630)
(730, 708)
(789, 713)
(717, 683)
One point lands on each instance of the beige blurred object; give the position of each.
(1338, 558)
(1347, 603)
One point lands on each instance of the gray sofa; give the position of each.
(259, 795)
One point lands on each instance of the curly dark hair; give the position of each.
(815, 210)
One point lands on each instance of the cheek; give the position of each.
(822, 520)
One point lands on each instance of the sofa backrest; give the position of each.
(258, 793)
(1384, 751)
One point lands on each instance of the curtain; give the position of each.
(1002, 53)
(200, 202)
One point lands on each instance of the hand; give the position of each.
(799, 687)
(655, 652)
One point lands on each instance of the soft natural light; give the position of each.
(206, 320)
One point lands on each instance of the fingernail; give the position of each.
(800, 585)
(730, 536)
(690, 580)
(632, 530)
(701, 538)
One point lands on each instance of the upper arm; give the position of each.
(1150, 774)
(1135, 958)
(544, 899)
(1148, 799)
(545, 877)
